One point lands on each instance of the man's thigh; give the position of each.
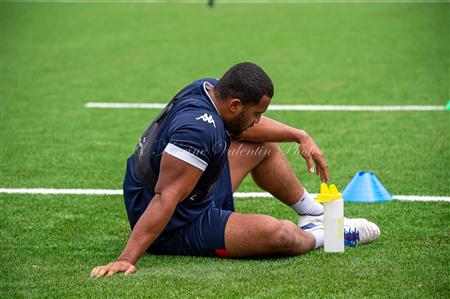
(244, 156)
(202, 237)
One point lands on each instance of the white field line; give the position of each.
(280, 107)
(44, 191)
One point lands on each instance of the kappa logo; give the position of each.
(207, 118)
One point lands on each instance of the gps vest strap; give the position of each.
(146, 148)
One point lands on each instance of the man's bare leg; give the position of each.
(256, 235)
(263, 235)
(269, 168)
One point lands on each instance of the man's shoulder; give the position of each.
(198, 106)
(198, 117)
(195, 89)
(195, 112)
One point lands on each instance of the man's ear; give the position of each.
(235, 105)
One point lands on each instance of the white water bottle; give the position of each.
(333, 205)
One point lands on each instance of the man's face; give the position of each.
(249, 116)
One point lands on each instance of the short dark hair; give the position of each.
(245, 81)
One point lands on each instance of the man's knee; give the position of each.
(286, 236)
(280, 236)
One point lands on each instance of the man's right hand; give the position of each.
(313, 155)
(113, 268)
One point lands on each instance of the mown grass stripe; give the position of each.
(52, 191)
(106, 105)
(246, 2)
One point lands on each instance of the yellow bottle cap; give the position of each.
(328, 193)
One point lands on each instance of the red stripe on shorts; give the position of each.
(221, 253)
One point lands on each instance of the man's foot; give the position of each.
(356, 231)
(360, 231)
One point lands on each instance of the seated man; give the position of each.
(179, 183)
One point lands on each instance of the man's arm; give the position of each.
(269, 130)
(176, 181)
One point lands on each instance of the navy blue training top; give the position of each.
(193, 132)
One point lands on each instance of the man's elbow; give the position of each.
(172, 196)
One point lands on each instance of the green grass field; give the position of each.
(55, 57)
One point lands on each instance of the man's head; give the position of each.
(246, 91)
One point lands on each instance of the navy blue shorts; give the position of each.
(202, 236)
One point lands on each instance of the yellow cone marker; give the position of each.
(333, 205)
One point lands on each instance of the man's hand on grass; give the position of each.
(312, 155)
(113, 268)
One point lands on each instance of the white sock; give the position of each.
(319, 235)
(307, 206)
